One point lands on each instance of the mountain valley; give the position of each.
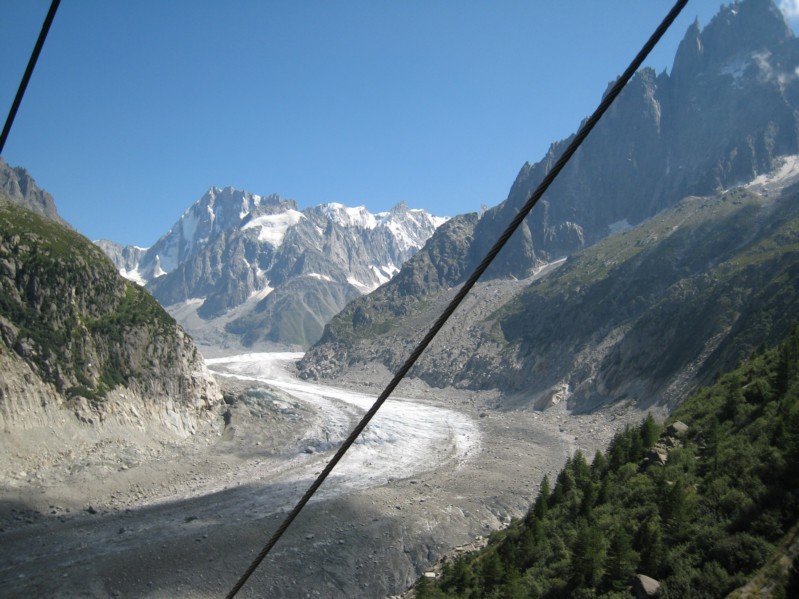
(163, 408)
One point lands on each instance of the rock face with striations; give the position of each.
(726, 113)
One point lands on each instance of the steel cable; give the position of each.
(583, 132)
(26, 77)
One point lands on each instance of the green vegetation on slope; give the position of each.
(625, 276)
(65, 310)
(702, 524)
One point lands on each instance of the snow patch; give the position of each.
(168, 255)
(736, 69)
(619, 226)
(133, 275)
(787, 172)
(245, 205)
(349, 217)
(437, 220)
(188, 228)
(273, 227)
(316, 275)
(356, 283)
(360, 217)
(260, 294)
(157, 270)
(384, 273)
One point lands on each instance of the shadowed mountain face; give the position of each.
(646, 325)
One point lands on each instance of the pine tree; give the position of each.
(621, 561)
(650, 431)
(542, 501)
(588, 556)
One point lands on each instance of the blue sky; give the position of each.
(138, 107)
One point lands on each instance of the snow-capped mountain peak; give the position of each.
(234, 254)
(349, 217)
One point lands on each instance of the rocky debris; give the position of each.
(658, 456)
(435, 572)
(676, 430)
(671, 437)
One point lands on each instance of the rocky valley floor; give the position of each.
(131, 514)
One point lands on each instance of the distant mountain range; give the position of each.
(643, 315)
(239, 268)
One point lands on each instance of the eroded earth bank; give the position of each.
(115, 513)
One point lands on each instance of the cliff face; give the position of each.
(724, 114)
(76, 335)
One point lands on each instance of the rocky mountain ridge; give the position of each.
(726, 115)
(643, 315)
(19, 187)
(256, 269)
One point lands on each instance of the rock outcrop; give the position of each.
(725, 113)
(19, 187)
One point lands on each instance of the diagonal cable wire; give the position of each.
(586, 128)
(23, 85)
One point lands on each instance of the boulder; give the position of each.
(677, 429)
(644, 586)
